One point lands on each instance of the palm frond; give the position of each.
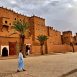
(42, 38)
(20, 26)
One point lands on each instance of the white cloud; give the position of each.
(75, 0)
(69, 5)
(13, 2)
(62, 14)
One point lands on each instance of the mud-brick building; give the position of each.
(9, 44)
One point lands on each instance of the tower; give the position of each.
(67, 37)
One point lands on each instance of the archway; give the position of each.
(4, 51)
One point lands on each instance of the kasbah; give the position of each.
(57, 42)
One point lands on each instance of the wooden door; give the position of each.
(12, 48)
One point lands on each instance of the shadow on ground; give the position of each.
(69, 73)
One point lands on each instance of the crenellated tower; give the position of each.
(67, 37)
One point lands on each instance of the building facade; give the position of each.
(55, 43)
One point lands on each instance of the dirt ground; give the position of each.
(54, 65)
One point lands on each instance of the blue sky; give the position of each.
(61, 14)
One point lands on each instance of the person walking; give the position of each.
(20, 62)
(28, 49)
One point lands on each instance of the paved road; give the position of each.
(55, 65)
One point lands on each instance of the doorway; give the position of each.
(4, 51)
(12, 48)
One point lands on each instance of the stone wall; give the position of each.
(54, 49)
(55, 43)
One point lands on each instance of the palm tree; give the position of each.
(42, 39)
(21, 27)
(72, 45)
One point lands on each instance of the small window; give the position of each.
(15, 18)
(6, 22)
(20, 19)
(9, 23)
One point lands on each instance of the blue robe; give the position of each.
(20, 62)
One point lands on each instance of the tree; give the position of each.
(42, 39)
(21, 27)
(72, 45)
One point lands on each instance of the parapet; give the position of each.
(11, 10)
(49, 27)
(67, 32)
(37, 17)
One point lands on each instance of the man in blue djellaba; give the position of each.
(20, 62)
